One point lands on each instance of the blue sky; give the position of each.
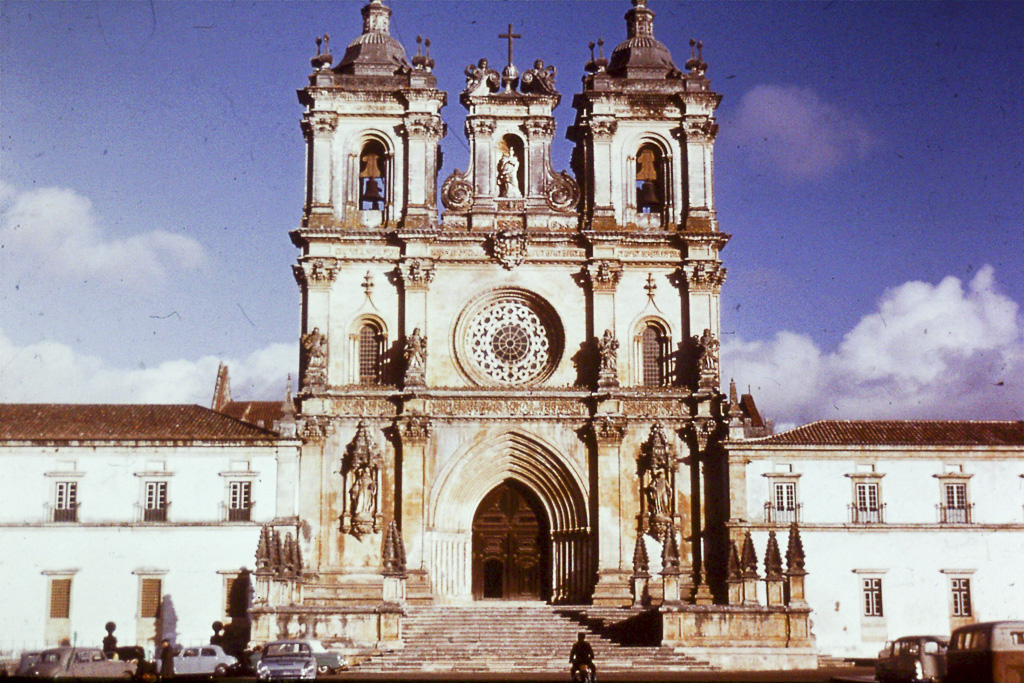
(868, 166)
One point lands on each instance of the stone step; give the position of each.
(508, 637)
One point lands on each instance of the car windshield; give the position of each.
(286, 649)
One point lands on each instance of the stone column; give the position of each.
(480, 131)
(422, 134)
(318, 128)
(539, 132)
(613, 584)
(414, 431)
(602, 130)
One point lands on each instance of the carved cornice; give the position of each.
(424, 127)
(603, 129)
(417, 274)
(704, 276)
(700, 129)
(318, 124)
(316, 428)
(608, 429)
(479, 127)
(315, 271)
(414, 429)
(540, 126)
(604, 275)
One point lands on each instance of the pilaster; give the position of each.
(613, 577)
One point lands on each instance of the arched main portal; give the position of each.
(555, 488)
(511, 545)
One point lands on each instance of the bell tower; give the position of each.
(372, 128)
(644, 133)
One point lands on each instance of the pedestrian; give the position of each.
(166, 660)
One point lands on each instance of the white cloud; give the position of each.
(50, 372)
(929, 352)
(791, 130)
(57, 229)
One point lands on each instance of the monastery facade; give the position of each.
(512, 397)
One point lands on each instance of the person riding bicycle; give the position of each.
(582, 655)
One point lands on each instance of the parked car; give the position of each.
(286, 659)
(206, 659)
(989, 652)
(912, 658)
(79, 662)
(327, 662)
(27, 660)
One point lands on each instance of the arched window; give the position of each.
(653, 348)
(371, 354)
(650, 179)
(373, 184)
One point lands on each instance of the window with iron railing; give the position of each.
(955, 509)
(65, 501)
(866, 508)
(782, 508)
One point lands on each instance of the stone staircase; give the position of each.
(524, 637)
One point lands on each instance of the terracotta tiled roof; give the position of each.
(260, 413)
(900, 433)
(79, 422)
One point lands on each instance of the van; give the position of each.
(990, 652)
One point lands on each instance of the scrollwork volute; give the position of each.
(563, 192)
(604, 275)
(608, 429)
(540, 126)
(705, 276)
(457, 192)
(417, 273)
(361, 475)
(479, 127)
(424, 127)
(657, 483)
(315, 272)
(700, 129)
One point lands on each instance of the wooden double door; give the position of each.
(511, 546)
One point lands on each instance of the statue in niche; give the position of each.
(708, 353)
(659, 496)
(314, 346)
(363, 495)
(508, 175)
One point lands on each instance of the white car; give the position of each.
(206, 659)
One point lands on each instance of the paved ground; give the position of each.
(837, 675)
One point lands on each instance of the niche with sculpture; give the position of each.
(510, 167)
(657, 467)
(361, 483)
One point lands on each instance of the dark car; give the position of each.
(912, 658)
(286, 659)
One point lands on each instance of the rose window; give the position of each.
(509, 339)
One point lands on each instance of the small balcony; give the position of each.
(154, 514)
(240, 514)
(775, 515)
(867, 515)
(956, 514)
(64, 514)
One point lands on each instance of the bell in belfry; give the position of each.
(647, 196)
(371, 193)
